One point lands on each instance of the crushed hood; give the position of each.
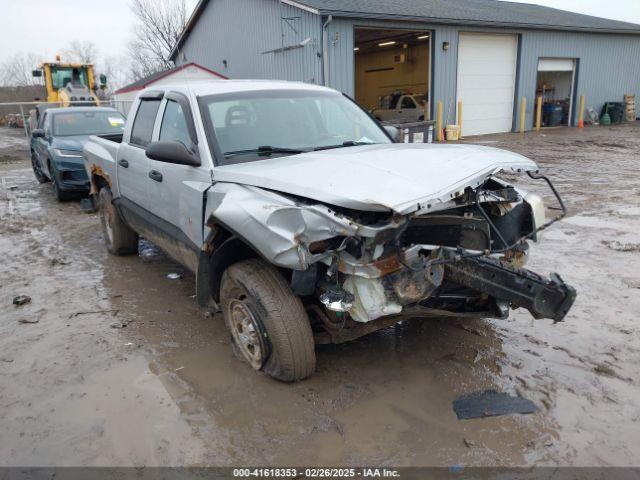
(399, 177)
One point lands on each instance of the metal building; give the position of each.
(485, 53)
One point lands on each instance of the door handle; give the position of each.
(155, 175)
(123, 163)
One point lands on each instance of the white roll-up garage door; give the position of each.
(486, 82)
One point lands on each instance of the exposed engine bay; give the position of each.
(358, 271)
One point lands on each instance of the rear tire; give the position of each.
(118, 236)
(268, 323)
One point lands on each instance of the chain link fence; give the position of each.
(19, 115)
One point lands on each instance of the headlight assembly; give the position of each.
(67, 153)
(537, 213)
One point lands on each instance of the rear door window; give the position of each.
(143, 123)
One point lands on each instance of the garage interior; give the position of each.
(390, 63)
(555, 84)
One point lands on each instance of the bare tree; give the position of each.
(117, 72)
(16, 70)
(81, 51)
(159, 25)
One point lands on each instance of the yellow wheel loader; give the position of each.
(70, 84)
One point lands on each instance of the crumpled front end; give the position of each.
(355, 268)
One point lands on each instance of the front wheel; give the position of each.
(267, 322)
(61, 195)
(119, 237)
(37, 169)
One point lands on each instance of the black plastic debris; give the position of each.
(21, 300)
(490, 403)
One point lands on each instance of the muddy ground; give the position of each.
(123, 367)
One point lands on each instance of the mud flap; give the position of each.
(543, 297)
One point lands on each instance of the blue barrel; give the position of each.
(551, 115)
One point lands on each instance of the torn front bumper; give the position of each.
(543, 297)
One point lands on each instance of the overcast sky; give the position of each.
(47, 26)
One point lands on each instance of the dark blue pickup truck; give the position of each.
(57, 142)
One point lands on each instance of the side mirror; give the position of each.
(36, 73)
(103, 79)
(172, 152)
(392, 131)
(37, 133)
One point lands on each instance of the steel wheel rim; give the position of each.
(246, 333)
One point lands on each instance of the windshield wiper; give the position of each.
(265, 150)
(348, 143)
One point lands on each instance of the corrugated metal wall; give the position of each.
(609, 65)
(239, 31)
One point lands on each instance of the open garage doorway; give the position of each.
(556, 85)
(393, 73)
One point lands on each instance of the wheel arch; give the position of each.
(99, 179)
(221, 249)
(98, 182)
(49, 163)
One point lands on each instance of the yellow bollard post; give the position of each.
(539, 114)
(439, 122)
(523, 113)
(459, 120)
(581, 113)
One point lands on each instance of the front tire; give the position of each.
(61, 195)
(37, 170)
(268, 323)
(118, 236)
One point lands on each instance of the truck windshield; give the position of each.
(251, 125)
(61, 77)
(87, 123)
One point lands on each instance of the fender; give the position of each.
(220, 252)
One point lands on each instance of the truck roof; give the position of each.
(211, 87)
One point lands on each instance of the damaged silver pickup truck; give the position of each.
(305, 223)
